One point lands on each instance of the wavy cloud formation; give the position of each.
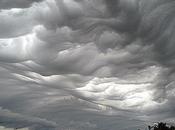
(85, 61)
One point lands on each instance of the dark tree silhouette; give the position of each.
(161, 126)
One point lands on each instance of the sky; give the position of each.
(2, 128)
(86, 64)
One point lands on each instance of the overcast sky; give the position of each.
(86, 64)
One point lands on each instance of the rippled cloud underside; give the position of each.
(86, 64)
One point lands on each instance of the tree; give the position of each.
(161, 126)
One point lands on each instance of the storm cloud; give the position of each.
(86, 64)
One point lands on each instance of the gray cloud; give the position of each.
(7, 4)
(10, 119)
(116, 57)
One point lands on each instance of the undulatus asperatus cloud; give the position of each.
(86, 64)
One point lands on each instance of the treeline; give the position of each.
(161, 126)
